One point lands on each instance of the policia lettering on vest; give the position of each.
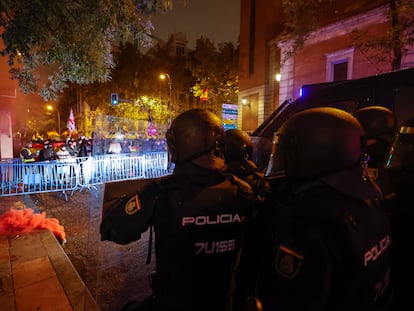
(326, 245)
(198, 215)
(204, 220)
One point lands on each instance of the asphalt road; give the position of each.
(115, 274)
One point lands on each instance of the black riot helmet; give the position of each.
(401, 154)
(379, 122)
(194, 133)
(316, 142)
(237, 145)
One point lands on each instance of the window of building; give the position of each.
(340, 71)
(339, 65)
(179, 49)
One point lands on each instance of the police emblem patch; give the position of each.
(133, 205)
(287, 262)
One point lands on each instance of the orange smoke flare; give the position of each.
(26, 220)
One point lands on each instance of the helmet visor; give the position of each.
(276, 166)
(401, 154)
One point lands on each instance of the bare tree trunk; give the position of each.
(396, 37)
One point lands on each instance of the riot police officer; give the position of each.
(400, 164)
(327, 245)
(198, 213)
(380, 125)
(238, 153)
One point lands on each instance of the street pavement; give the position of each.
(115, 274)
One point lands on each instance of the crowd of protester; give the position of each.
(49, 150)
(139, 145)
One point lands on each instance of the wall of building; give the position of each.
(309, 65)
(8, 103)
(15, 106)
(259, 23)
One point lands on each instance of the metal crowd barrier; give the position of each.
(78, 173)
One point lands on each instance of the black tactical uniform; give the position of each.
(327, 247)
(198, 214)
(47, 153)
(400, 163)
(238, 152)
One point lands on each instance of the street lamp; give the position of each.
(162, 77)
(278, 77)
(50, 108)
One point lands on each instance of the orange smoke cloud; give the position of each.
(26, 220)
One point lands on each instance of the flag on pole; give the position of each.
(204, 95)
(71, 121)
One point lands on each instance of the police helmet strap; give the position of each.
(218, 149)
(364, 164)
(246, 152)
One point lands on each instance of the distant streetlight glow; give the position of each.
(278, 76)
(50, 108)
(164, 76)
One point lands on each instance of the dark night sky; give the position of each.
(217, 20)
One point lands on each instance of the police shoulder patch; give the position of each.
(287, 262)
(133, 205)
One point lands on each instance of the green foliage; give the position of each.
(215, 70)
(136, 79)
(391, 45)
(84, 50)
(55, 43)
(301, 17)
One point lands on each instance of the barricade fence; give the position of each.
(79, 173)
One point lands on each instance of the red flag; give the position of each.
(204, 95)
(71, 122)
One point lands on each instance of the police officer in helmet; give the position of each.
(400, 165)
(238, 145)
(328, 245)
(238, 153)
(198, 214)
(380, 126)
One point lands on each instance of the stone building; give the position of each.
(267, 78)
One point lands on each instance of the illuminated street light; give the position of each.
(278, 77)
(162, 77)
(50, 108)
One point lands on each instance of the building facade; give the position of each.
(15, 110)
(328, 54)
(260, 22)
